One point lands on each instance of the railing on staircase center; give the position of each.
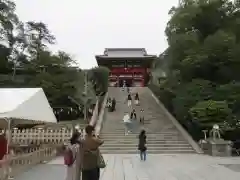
(94, 117)
(97, 117)
(96, 121)
(102, 115)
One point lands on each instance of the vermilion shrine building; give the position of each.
(129, 65)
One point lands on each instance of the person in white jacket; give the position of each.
(127, 122)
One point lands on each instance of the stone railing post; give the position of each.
(13, 165)
(37, 136)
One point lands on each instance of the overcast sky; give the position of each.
(85, 28)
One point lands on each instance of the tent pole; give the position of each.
(9, 134)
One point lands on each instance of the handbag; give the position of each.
(142, 148)
(100, 161)
(97, 156)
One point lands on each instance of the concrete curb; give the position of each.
(185, 134)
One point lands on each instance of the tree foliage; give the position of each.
(26, 61)
(212, 112)
(99, 77)
(203, 62)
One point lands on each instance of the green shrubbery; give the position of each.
(210, 112)
(202, 86)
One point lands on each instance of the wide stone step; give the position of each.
(156, 145)
(149, 129)
(148, 148)
(148, 137)
(169, 133)
(149, 141)
(153, 122)
(173, 151)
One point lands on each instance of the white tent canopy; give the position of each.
(25, 106)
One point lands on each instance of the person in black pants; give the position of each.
(142, 145)
(141, 117)
(113, 108)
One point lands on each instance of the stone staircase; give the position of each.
(162, 136)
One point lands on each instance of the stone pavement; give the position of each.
(157, 167)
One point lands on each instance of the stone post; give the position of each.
(220, 147)
(215, 145)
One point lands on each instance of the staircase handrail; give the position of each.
(99, 123)
(94, 117)
(96, 120)
(12, 165)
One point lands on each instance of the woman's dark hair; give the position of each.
(133, 113)
(142, 133)
(89, 129)
(74, 138)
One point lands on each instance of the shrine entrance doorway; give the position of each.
(128, 82)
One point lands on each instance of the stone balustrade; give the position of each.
(12, 165)
(46, 136)
(23, 149)
(36, 136)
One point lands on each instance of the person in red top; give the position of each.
(3, 146)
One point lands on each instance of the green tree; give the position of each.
(187, 95)
(203, 62)
(40, 36)
(99, 78)
(211, 112)
(231, 93)
(26, 60)
(8, 22)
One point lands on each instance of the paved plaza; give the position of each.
(157, 167)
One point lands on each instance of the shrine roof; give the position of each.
(124, 53)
